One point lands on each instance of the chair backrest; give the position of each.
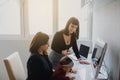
(14, 67)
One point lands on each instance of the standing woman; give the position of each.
(65, 39)
(38, 64)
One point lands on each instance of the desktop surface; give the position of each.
(84, 71)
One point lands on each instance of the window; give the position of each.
(40, 16)
(22, 18)
(10, 18)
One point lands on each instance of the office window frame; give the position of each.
(24, 26)
(11, 36)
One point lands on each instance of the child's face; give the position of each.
(68, 69)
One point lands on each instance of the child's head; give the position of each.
(66, 63)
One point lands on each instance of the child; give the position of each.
(66, 65)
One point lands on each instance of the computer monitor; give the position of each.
(98, 55)
(100, 61)
(83, 51)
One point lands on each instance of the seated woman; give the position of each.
(38, 64)
(66, 65)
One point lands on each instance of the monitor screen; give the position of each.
(97, 51)
(84, 50)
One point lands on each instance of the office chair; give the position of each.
(14, 67)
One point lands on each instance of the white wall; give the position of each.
(106, 26)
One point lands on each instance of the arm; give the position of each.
(34, 68)
(57, 42)
(75, 47)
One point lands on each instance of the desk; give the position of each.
(85, 72)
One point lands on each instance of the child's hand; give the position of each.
(72, 78)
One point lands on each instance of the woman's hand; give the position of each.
(65, 52)
(83, 61)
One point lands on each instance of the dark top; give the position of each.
(39, 67)
(58, 43)
(59, 74)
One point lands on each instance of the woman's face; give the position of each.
(44, 47)
(72, 28)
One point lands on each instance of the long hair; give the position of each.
(38, 40)
(74, 21)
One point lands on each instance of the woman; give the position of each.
(38, 64)
(65, 39)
